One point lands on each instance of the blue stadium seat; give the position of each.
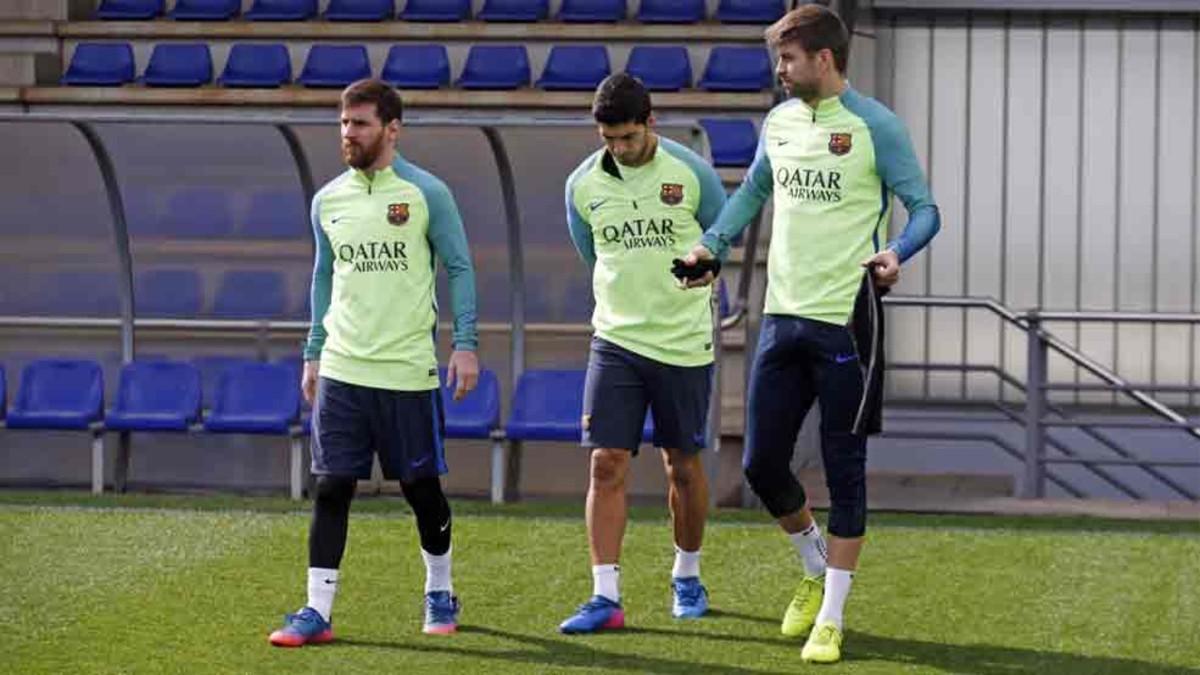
(250, 294)
(59, 394)
(477, 415)
(548, 406)
(671, 11)
(592, 11)
(252, 65)
(275, 214)
(749, 11)
(3, 393)
(282, 10)
(514, 10)
(206, 10)
(156, 396)
(168, 293)
(733, 141)
(63, 394)
(737, 69)
(130, 10)
(335, 66)
(417, 67)
(212, 368)
(436, 10)
(495, 67)
(101, 64)
(575, 67)
(179, 65)
(359, 10)
(261, 398)
(197, 212)
(255, 398)
(661, 68)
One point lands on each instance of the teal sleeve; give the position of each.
(449, 241)
(744, 205)
(580, 230)
(898, 169)
(712, 190)
(322, 286)
(901, 173)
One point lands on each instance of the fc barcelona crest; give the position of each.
(398, 214)
(672, 193)
(839, 144)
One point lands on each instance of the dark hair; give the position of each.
(814, 27)
(621, 98)
(386, 99)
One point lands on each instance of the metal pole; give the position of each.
(516, 278)
(1035, 402)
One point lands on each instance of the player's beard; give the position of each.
(805, 91)
(360, 157)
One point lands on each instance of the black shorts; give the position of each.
(350, 423)
(621, 385)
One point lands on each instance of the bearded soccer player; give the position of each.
(833, 159)
(370, 367)
(632, 207)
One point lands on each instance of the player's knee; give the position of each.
(779, 491)
(847, 502)
(609, 468)
(683, 470)
(334, 489)
(425, 497)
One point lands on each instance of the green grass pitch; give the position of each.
(146, 584)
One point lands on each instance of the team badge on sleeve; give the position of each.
(672, 193)
(398, 214)
(839, 144)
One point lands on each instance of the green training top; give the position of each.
(627, 224)
(374, 311)
(833, 170)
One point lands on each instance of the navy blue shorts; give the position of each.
(799, 361)
(350, 423)
(620, 386)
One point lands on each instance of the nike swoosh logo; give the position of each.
(845, 358)
(781, 143)
(445, 527)
(592, 206)
(333, 221)
(331, 581)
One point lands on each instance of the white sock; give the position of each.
(322, 586)
(837, 587)
(437, 571)
(811, 547)
(606, 581)
(687, 563)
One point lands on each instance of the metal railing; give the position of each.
(1034, 418)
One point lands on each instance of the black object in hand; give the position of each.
(683, 271)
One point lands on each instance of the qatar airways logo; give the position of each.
(641, 233)
(374, 256)
(810, 185)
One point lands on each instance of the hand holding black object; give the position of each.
(682, 270)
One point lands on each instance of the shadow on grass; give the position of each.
(970, 659)
(984, 659)
(563, 651)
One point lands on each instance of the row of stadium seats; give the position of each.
(174, 292)
(591, 11)
(264, 398)
(494, 67)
